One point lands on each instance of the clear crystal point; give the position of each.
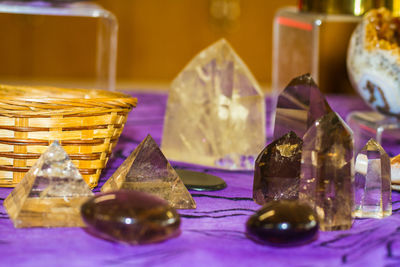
(327, 172)
(50, 194)
(215, 112)
(373, 193)
(299, 105)
(277, 170)
(147, 170)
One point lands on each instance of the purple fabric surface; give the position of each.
(213, 234)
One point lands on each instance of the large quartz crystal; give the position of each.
(50, 194)
(327, 172)
(216, 112)
(277, 170)
(373, 193)
(147, 170)
(299, 105)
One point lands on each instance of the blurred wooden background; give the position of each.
(156, 40)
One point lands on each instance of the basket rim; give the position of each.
(41, 92)
(34, 101)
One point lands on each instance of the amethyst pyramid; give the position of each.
(327, 172)
(147, 170)
(373, 192)
(277, 170)
(299, 105)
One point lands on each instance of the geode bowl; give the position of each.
(373, 61)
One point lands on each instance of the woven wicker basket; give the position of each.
(87, 123)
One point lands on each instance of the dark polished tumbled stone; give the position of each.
(284, 222)
(130, 217)
(199, 181)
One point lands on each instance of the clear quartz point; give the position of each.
(215, 112)
(373, 193)
(327, 172)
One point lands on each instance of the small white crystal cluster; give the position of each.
(57, 175)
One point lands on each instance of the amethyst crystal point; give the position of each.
(277, 170)
(130, 217)
(147, 170)
(327, 177)
(299, 105)
(283, 222)
(373, 198)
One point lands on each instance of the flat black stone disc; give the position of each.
(199, 181)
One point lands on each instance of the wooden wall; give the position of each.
(156, 39)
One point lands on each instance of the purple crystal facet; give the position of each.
(299, 105)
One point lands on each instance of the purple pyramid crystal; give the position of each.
(299, 105)
(277, 170)
(147, 170)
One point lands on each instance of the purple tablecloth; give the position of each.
(213, 234)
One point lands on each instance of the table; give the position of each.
(213, 234)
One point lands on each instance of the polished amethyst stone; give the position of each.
(283, 222)
(130, 217)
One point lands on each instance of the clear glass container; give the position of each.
(42, 44)
(308, 42)
(314, 43)
(370, 124)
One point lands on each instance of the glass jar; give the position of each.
(42, 44)
(313, 38)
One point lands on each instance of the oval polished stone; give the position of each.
(199, 181)
(130, 217)
(283, 222)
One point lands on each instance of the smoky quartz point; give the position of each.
(277, 170)
(373, 198)
(130, 217)
(327, 172)
(299, 105)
